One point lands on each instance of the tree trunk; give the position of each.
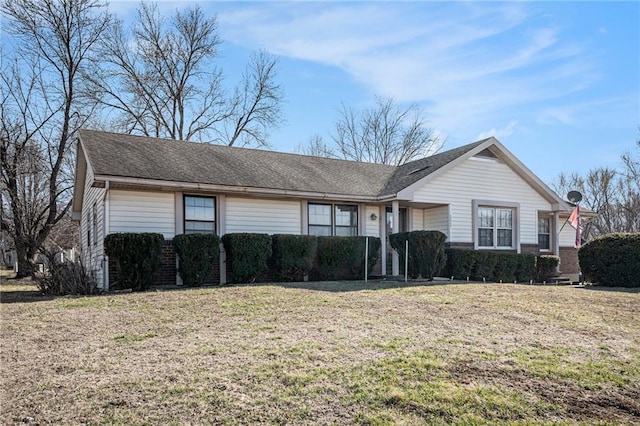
(25, 260)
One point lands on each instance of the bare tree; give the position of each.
(385, 133)
(613, 194)
(161, 79)
(317, 147)
(42, 106)
(256, 105)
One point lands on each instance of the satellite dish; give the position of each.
(574, 196)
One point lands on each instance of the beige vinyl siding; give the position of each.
(417, 220)
(262, 216)
(483, 180)
(437, 219)
(92, 254)
(568, 234)
(142, 211)
(372, 227)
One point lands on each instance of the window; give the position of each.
(328, 219)
(495, 227)
(94, 224)
(544, 233)
(199, 215)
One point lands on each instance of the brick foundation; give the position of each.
(569, 260)
(167, 274)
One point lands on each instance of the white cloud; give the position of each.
(499, 133)
(466, 61)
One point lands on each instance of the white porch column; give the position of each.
(382, 220)
(395, 260)
(556, 236)
(556, 233)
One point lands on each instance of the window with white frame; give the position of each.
(495, 227)
(544, 233)
(333, 219)
(199, 215)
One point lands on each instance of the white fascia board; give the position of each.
(79, 181)
(529, 177)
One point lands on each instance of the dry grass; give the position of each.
(339, 353)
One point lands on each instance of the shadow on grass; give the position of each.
(348, 286)
(616, 289)
(23, 296)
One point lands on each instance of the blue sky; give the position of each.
(558, 83)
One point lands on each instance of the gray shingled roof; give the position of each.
(114, 154)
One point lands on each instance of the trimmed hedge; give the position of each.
(426, 252)
(612, 260)
(526, 270)
(343, 257)
(459, 263)
(546, 267)
(293, 255)
(197, 254)
(137, 257)
(491, 266)
(247, 256)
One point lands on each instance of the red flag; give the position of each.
(574, 220)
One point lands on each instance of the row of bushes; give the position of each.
(249, 257)
(493, 266)
(612, 260)
(292, 257)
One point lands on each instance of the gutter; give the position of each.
(100, 180)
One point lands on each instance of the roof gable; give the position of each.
(487, 149)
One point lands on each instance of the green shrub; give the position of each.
(247, 256)
(460, 263)
(137, 257)
(293, 255)
(546, 267)
(612, 260)
(506, 267)
(484, 266)
(356, 259)
(344, 256)
(198, 254)
(426, 252)
(491, 266)
(526, 270)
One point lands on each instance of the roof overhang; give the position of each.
(79, 181)
(123, 182)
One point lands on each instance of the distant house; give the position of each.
(480, 195)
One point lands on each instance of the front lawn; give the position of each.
(338, 353)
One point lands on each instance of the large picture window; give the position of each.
(495, 227)
(333, 219)
(199, 215)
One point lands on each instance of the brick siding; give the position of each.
(569, 260)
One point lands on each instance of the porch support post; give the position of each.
(395, 260)
(556, 236)
(382, 220)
